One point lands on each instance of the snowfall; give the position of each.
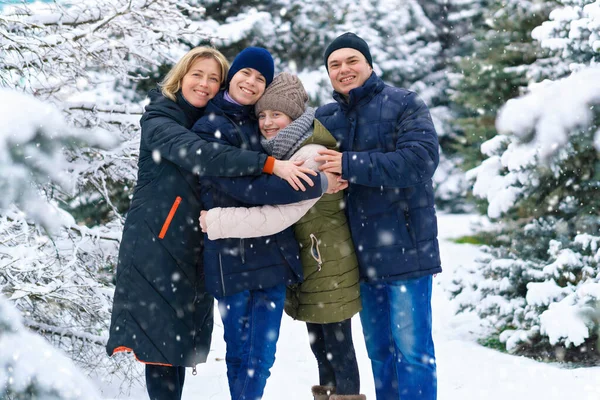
(466, 370)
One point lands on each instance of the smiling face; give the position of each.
(246, 86)
(201, 83)
(348, 69)
(271, 122)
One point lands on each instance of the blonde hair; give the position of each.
(172, 82)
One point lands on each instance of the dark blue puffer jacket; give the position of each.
(234, 265)
(390, 152)
(161, 311)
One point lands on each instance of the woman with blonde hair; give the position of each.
(161, 312)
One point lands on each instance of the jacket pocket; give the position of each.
(165, 227)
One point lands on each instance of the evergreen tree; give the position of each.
(72, 57)
(539, 287)
(494, 72)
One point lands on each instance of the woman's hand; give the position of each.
(203, 220)
(292, 172)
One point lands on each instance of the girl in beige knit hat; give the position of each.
(329, 295)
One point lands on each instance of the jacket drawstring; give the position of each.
(314, 250)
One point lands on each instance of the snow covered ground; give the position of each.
(466, 370)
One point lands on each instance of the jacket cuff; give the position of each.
(324, 182)
(269, 165)
(345, 166)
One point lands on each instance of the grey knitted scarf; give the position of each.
(289, 139)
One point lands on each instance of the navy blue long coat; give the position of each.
(234, 265)
(390, 152)
(161, 310)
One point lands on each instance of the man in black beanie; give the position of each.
(388, 154)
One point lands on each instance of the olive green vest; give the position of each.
(330, 291)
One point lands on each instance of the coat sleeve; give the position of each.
(413, 162)
(169, 139)
(255, 190)
(250, 222)
(265, 189)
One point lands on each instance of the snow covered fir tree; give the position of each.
(540, 285)
(513, 87)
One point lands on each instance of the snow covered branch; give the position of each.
(552, 112)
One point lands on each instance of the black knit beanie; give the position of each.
(352, 41)
(253, 57)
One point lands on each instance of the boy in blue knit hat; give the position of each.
(248, 277)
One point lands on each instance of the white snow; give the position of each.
(564, 320)
(466, 370)
(26, 359)
(553, 110)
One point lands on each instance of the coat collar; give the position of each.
(362, 94)
(219, 106)
(193, 112)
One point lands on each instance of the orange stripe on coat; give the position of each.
(165, 226)
(121, 349)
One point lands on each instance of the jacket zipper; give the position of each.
(169, 218)
(243, 251)
(222, 277)
(409, 229)
(195, 326)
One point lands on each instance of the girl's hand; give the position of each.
(335, 183)
(292, 172)
(343, 183)
(203, 220)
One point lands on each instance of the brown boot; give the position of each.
(322, 392)
(348, 397)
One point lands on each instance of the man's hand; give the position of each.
(332, 161)
(203, 221)
(292, 172)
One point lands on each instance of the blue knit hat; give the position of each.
(253, 57)
(352, 41)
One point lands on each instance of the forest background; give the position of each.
(513, 87)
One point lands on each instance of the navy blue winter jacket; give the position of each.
(234, 265)
(390, 152)
(161, 310)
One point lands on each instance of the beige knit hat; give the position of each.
(286, 94)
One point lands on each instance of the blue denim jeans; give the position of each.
(251, 321)
(396, 320)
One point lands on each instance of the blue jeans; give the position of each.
(251, 321)
(396, 320)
